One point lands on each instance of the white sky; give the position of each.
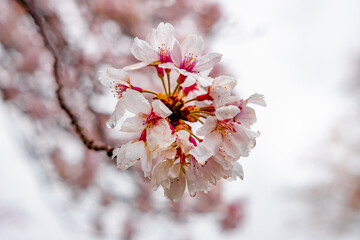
(298, 54)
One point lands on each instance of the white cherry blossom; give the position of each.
(220, 131)
(118, 81)
(187, 59)
(171, 172)
(220, 90)
(129, 153)
(148, 118)
(156, 49)
(247, 115)
(170, 152)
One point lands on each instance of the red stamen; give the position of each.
(189, 62)
(164, 54)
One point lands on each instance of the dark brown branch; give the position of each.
(41, 23)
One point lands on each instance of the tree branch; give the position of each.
(41, 23)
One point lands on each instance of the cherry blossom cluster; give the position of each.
(189, 135)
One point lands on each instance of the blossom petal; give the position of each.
(159, 136)
(183, 141)
(160, 173)
(176, 54)
(225, 82)
(136, 102)
(110, 75)
(164, 35)
(207, 148)
(188, 81)
(129, 153)
(226, 112)
(203, 81)
(160, 109)
(176, 188)
(257, 99)
(192, 44)
(150, 38)
(168, 65)
(192, 77)
(142, 51)
(175, 170)
(135, 66)
(231, 147)
(224, 160)
(117, 114)
(237, 171)
(132, 124)
(146, 165)
(244, 139)
(201, 184)
(191, 183)
(209, 125)
(246, 117)
(221, 90)
(217, 169)
(168, 153)
(234, 100)
(207, 61)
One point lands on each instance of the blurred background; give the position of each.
(302, 180)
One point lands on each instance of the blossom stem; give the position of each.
(146, 91)
(202, 122)
(203, 112)
(198, 116)
(194, 99)
(168, 79)
(207, 108)
(163, 83)
(192, 134)
(176, 88)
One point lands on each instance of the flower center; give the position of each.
(119, 89)
(164, 54)
(225, 129)
(151, 119)
(176, 106)
(189, 62)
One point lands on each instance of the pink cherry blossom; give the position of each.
(187, 59)
(119, 82)
(171, 153)
(156, 49)
(247, 115)
(221, 132)
(220, 90)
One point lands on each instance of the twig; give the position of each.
(41, 23)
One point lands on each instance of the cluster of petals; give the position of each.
(173, 151)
